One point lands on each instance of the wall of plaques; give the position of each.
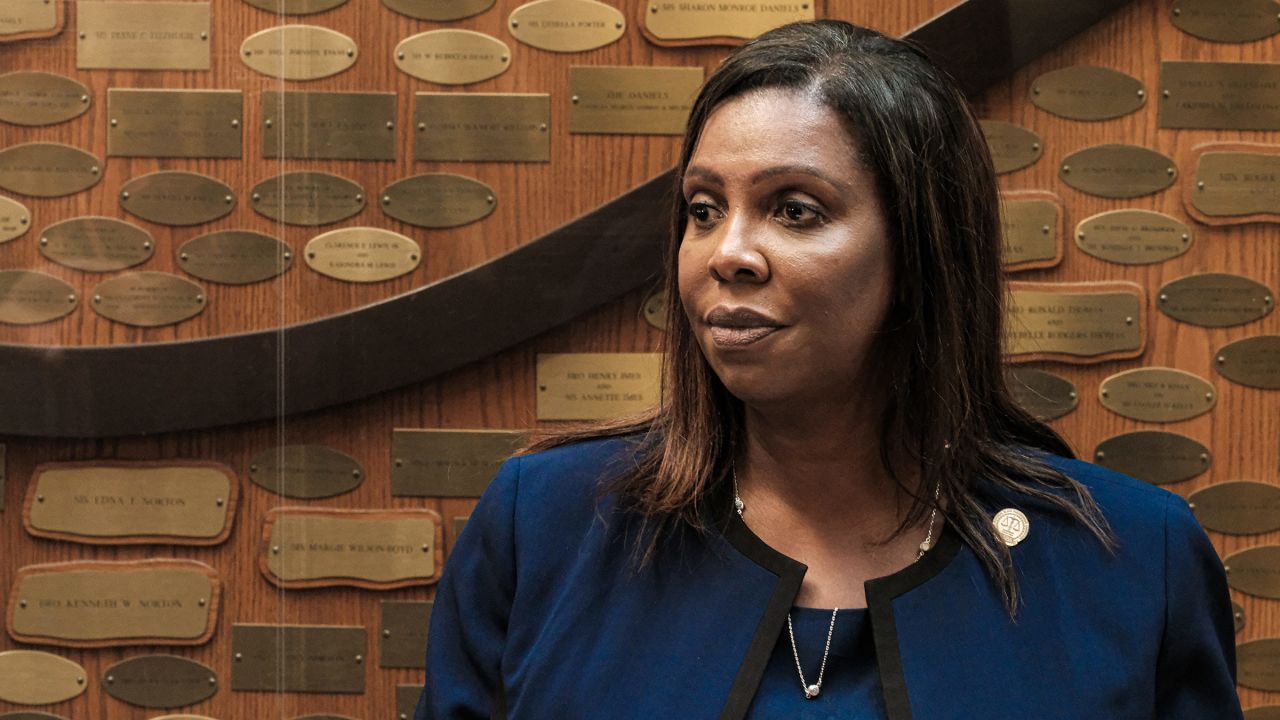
(179, 171)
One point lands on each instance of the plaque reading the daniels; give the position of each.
(1215, 300)
(438, 200)
(404, 633)
(1074, 322)
(30, 297)
(1252, 361)
(1155, 456)
(235, 257)
(1032, 230)
(116, 502)
(160, 681)
(47, 169)
(298, 658)
(1239, 508)
(448, 463)
(329, 125)
(96, 244)
(631, 100)
(148, 299)
(176, 197)
(1255, 571)
(40, 98)
(1043, 394)
(1117, 171)
(307, 198)
(374, 549)
(1012, 147)
(298, 52)
(174, 123)
(566, 25)
(453, 57)
(1233, 187)
(28, 18)
(1157, 394)
(1084, 92)
(305, 471)
(31, 677)
(152, 35)
(597, 386)
(101, 604)
(1133, 237)
(362, 254)
(482, 127)
(1236, 21)
(1220, 95)
(15, 219)
(678, 22)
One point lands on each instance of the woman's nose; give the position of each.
(737, 255)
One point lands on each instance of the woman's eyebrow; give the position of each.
(800, 170)
(706, 174)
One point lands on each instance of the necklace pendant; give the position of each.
(811, 692)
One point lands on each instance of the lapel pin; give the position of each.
(1012, 526)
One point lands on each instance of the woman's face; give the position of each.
(785, 268)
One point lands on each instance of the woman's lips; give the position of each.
(740, 336)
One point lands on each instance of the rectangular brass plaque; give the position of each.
(448, 463)
(679, 20)
(404, 633)
(482, 127)
(459, 523)
(597, 386)
(1220, 95)
(329, 125)
(298, 658)
(407, 701)
(372, 549)
(115, 34)
(1072, 324)
(1237, 184)
(18, 17)
(631, 100)
(174, 123)
(1031, 236)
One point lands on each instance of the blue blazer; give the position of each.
(539, 606)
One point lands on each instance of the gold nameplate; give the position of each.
(47, 169)
(448, 463)
(1259, 712)
(1032, 224)
(1155, 456)
(407, 697)
(459, 523)
(329, 125)
(631, 100)
(482, 127)
(148, 299)
(566, 25)
(31, 677)
(298, 658)
(101, 604)
(597, 386)
(1255, 571)
(404, 634)
(362, 254)
(439, 10)
(29, 716)
(1252, 361)
(1074, 322)
(160, 681)
(1117, 171)
(438, 200)
(655, 310)
(1237, 187)
(295, 7)
(1085, 92)
(1157, 394)
(1237, 21)
(29, 297)
(23, 19)
(372, 549)
(307, 198)
(1215, 300)
(235, 257)
(1043, 394)
(15, 219)
(1258, 663)
(154, 35)
(298, 52)
(669, 22)
(452, 57)
(1238, 508)
(39, 98)
(1219, 95)
(96, 244)
(305, 471)
(1133, 237)
(176, 197)
(1012, 147)
(174, 123)
(121, 503)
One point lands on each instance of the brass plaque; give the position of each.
(597, 386)
(235, 257)
(174, 123)
(1231, 184)
(1215, 300)
(1156, 456)
(298, 52)
(1117, 171)
(329, 125)
(296, 7)
(669, 21)
(1012, 147)
(362, 254)
(15, 218)
(1043, 394)
(459, 523)
(407, 697)
(1085, 92)
(1219, 95)
(305, 471)
(1058, 321)
(29, 97)
(176, 197)
(453, 57)
(31, 677)
(100, 604)
(438, 200)
(298, 658)
(173, 502)
(148, 35)
(566, 25)
(1237, 614)
(448, 463)
(307, 198)
(1133, 237)
(1252, 361)
(1031, 235)
(374, 549)
(1255, 571)
(29, 716)
(655, 310)
(47, 169)
(404, 633)
(1157, 394)
(482, 127)
(148, 299)
(1262, 712)
(1237, 21)
(22, 17)
(439, 9)
(96, 244)
(1239, 507)
(631, 100)
(1258, 663)
(160, 681)
(28, 297)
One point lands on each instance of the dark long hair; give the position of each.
(948, 411)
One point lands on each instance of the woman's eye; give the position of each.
(798, 213)
(701, 212)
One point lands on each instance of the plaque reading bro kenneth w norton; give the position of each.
(307, 198)
(404, 633)
(235, 257)
(566, 25)
(1240, 507)
(305, 471)
(1012, 147)
(1084, 92)
(152, 35)
(30, 297)
(439, 10)
(1133, 237)
(438, 200)
(1043, 394)
(362, 254)
(597, 386)
(1155, 456)
(452, 57)
(669, 22)
(31, 677)
(15, 219)
(448, 463)
(96, 244)
(329, 125)
(47, 169)
(176, 197)
(1074, 322)
(372, 549)
(298, 658)
(482, 127)
(631, 100)
(1117, 171)
(160, 681)
(1157, 394)
(174, 123)
(1220, 95)
(1252, 361)
(1237, 187)
(1215, 299)
(1258, 663)
(1238, 21)
(148, 299)
(1032, 225)
(1255, 571)
(298, 52)
(33, 98)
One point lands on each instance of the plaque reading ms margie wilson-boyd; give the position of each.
(373, 549)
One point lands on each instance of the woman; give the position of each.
(838, 511)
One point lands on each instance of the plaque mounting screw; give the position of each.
(44, 241)
(351, 53)
(84, 98)
(359, 659)
(311, 256)
(489, 199)
(426, 547)
(111, 679)
(355, 474)
(422, 126)
(1066, 169)
(202, 602)
(39, 498)
(1072, 395)
(248, 53)
(1164, 93)
(515, 23)
(543, 127)
(413, 258)
(288, 256)
(390, 125)
(653, 9)
(505, 58)
(183, 257)
(204, 36)
(1170, 171)
(80, 681)
(71, 298)
(386, 633)
(1142, 93)
(1177, 12)
(618, 25)
(359, 198)
(97, 298)
(1164, 297)
(1099, 454)
(1266, 300)
(124, 195)
(253, 468)
(1044, 229)
(1221, 359)
(1208, 396)
(256, 197)
(114, 122)
(268, 122)
(22, 603)
(275, 549)
(82, 36)
(239, 657)
(220, 502)
(399, 56)
(94, 170)
(1035, 147)
(1199, 184)
(230, 199)
(574, 99)
(235, 123)
(1128, 321)
(1105, 393)
(386, 199)
(213, 680)
(399, 462)
(1186, 238)
(24, 220)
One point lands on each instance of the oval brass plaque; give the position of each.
(1031, 234)
(1258, 663)
(29, 97)
(1157, 394)
(1240, 507)
(295, 7)
(1084, 92)
(47, 169)
(298, 52)
(1237, 614)
(1215, 299)
(28, 297)
(305, 471)
(566, 25)
(15, 218)
(1233, 184)
(1133, 237)
(1043, 394)
(148, 299)
(96, 244)
(1255, 571)
(363, 254)
(439, 9)
(29, 716)
(160, 681)
(307, 198)
(655, 310)
(235, 257)
(30, 677)
(452, 57)
(1117, 171)
(175, 197)
(1012, 147)
(438, 200)
(1252, 361)
(1262, 712)
(1238, 21)
(376, 549)
(1155, 456)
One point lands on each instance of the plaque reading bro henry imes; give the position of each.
(597, 386)
(176, 197)
(47, 169)
(298, 658)
(1117, 171)
(96, 244)
(373, 549)
(1157, 394)
(307, 198)
(482, 127)
(154, 35)
(685, 23)
(235, 257)
(1220, 95)
(631, 100)
(1215, 299)
(1074, 322)
(448, 463)
(1252, 361)
(452, 57)
(39, 98)
(1155, 456)
(30, 297)
(329, 125)
(1233, 187)
(31, 677)
(148, 299)
(174, 123)
(1238, 508)
(160, 681)
(362, 254)
(1133, 237)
